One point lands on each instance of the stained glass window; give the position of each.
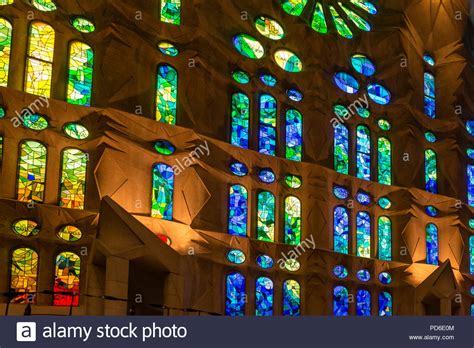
(269, 28)
(235, 295)
(24, 275)
(66, 280)
(341, 230)
(385, 238)
(166, 94)
(363, 307)
(471, 252)
(294, 7)
(292, 220)
(341, 149)
(240, 120)
(266, 175)
(39, 63)
(363, 152)
(263, 297)
(340, 24)
(248, 46)
(432, 244)
(346, 82)
(363, 234)
(385, 304)
(431, 171)
(266, 216)
(294, 135)
(340, 301)
(268, 119)
(69, 233)
(430, 95)
(73, 179)
(81, 65)
(318, 22)
(238, 210)
(26, 228)
(76, 131)
(171, 11)
(44, 5)
(5, 50)
(83, 25)
(163, 186)
(31, 171)
(291, 298)
(379, 94)
(470, 185)
(6, 2)
(1, 149)
(384, 171)
(288, 61)
(236, 256)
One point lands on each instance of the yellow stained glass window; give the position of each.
(31, 171)
(73, 179)
(24, 275)
(5, 50)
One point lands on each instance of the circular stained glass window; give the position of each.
(239, 169)
(292, 265)
(267, 175)
(44, 5)
(35, 122)
(83, 25)
(429, 136)
(26, 228)
(69, 233)
(340, 272)
(241, 77)
(76, 131)
(363, 275)
(346, 82)
(379, 94)
(340, 192)
(363, 198)
(248, 46)
(269, 28)
(384, 124)
(431, 211)
(265, 261)
(268, 80)
(164, 147)
(384, 203)
(385, 278)
(293, 181)
(168, 49)
(288, 61)
(294, 94)
(363, 65)
(236, 256)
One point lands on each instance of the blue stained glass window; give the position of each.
(166, 94)
(470, 153)
(240, 120)
(385, 278)
(431, 171)
(363, 65)
(472, 310)
(429, 136)
(470, 185)
(291, 298)
(471, 253)
(266, 216)
(341, 230)
(431, 211)
(430, 95)
(267, 175)
(346, 82)
(340, 192)
(294, 94)
(385, 238)
(363, 234)
(341, 149)
(363, 275)
(385, 304)
(236, 256)
(432, 244)
(384, 203)
(265, 261)
(264, 297)
(163, 185)
(268, 117)
(239, 169)
(470, 127)
(379, 94)
(429, 59)
(363, 152)
(340, 272)
(363, 303)
(363, 198)
(238, 198)
(235, 295)
(294, 135)
(268, 80)
(340, 301)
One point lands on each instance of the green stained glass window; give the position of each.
(171, 11)
(365, 5)
(384, 124)
(291, 298)
(73, 179)
(248, 46)
(294, 7)
(288, 61)
(292, 220)
(241, 77)
(81, 66)
(34, 121)
(363, 234)
(83, 25)
(166, 94)
(293, 181)
(294, 135)
(240, 120)
(269, 28)
(76, 131)
(268, 120)
(340, 24)
(5, 50)
(168, 49)
(31, 171)
(384, 148)
(360, 23)
(44, 5)
(266, 216)
(363, 153)
(431, 171)
(341, 149)
(318, 22)
(24, 275)
(3, 112)
(385, 238)
(162, 195)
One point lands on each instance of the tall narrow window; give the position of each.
(341, 230)
(363, 234)
(341, 149)
(340, 301)
(363, 153)
(263, 297)
(471, 254)
(432, 244)
(431, 171)
(238, 210)
(294, 135)
(81, 66)
(5, 50)
(73, 179)
(166, 94)
(163, 186)
(385, 238)
(470, 185)
(266, 216)
(235, 295)
(31, 171)
(66, 279)
(24, 275)
(363, 307)
(385, 304)
(430, 95)
(384, 149)
(292, 220)
(39, 61)
(268, 119)
(240, 120)
(171, 11)
(291, 298)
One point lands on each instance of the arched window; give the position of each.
(294, 135)
(385, 304)
(341, 149)
(430, 95)
(73, 179)
(292, 220)
(432, 244)
(385, 238)
(384, 149)
(166, 94)
(5, 50)
(39, 61)
(263, 297)
(471, 253)
(363, 153)
(6, 2)
(341, 230)
(291, 298)
(66, 279)
(24, 275)
(470, 185)
(235, 295)
(268, 119)
(240, 120)
(238, 210)
(340, 301)
(163, 186)
(266, 216)
(431, 171)
(363, 307)
(81, 65)
(363, 234)
(171, 11)
(31, 171)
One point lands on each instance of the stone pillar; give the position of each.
(116, 285)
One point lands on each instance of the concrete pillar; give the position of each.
(116, 285)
